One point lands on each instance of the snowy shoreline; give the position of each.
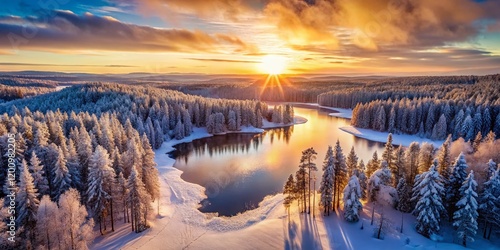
(398, 139)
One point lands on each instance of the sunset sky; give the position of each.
(233, 36)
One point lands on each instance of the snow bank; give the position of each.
(342, 113)
(376, 136)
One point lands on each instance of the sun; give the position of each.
(273, 64)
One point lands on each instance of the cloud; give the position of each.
(66, 65)
(328, 24)
(221, 60)
(67, 31)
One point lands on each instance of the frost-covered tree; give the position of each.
(379, 185)
(465, 218)
(388, 154)
(352, 205)
(39, 179)
(339, 172)
(490, 204)
(477, 141)
(458, 176)
(99, 190)
(404, 195)
(139, 201)
(439, 130)
(78, 229)
(429, 204)
(48, 226)
(150, 176)
(492, 168)
(352, 162)
(327, 182)
(62, 177)
(27, 206)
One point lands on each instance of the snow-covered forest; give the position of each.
(426, 182)
(85, 156)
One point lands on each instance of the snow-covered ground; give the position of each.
(372, 135)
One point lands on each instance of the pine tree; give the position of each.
(139, 201)
(412, 162)
(352, 205)
(476, 142)
(388, 155)
(404, 196)
(289, 192)
(362, 179)
(37, 172)
(492, 168)
(490, 204)
(352, 162)
(307, 161)
(465, 218)
(150, 176)
(444, 160)
(373, 164)
(429, 205)
(101, 180)
(62, 177)
(27, 206)
(327, 184)
(425, 157)
(340, 173)
(458, 176)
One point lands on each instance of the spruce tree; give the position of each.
(465, 218)
(388, 155)
(404, 194)
(139, 201)
(429, 205)
(27, 206)
(327, 184)
(352, 205)
(339, 172)
(289, 192)
(352, 162)
(458, 176)
(62, 177)
(490, 204)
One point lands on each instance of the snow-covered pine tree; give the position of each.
(477, 141)
(27, 206)
(340, 173)
(326, 186)
(352, 205)
(492, 168)
(465, 218)
(404, 194)
(380, 179)
(490, 204)
(78, 229)
(388, 155)
(399, 163)
(457, 177)
(429, 205)
(289, 192)
(37, 172)
(139, 201)
(352, 162)
(150, 176)
(101, 180)
(62, 177)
